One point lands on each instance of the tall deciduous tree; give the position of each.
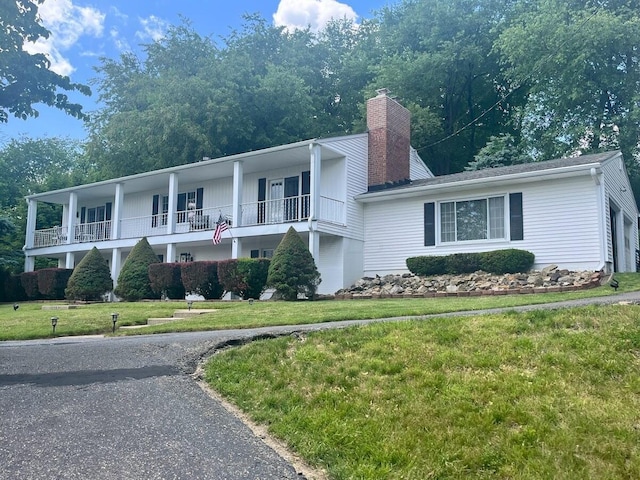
(580, 65)
(25, 78)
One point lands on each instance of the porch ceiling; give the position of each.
(260, 160)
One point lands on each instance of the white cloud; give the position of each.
(300, 14)
(67, 23)
(118, 40)
(153, 28)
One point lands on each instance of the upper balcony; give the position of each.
(267, 212)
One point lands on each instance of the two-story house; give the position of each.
(363, 203)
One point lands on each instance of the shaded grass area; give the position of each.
(30, 321)
(545, 394)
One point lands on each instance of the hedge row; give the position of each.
(497, 261)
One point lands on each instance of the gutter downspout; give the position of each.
(596, 173)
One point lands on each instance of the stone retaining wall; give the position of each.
(549, 279)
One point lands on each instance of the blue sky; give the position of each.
(82, 31)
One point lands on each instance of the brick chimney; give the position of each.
(389, 126)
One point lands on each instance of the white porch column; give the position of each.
(236, 247)
(72, 208)
(314, 201)
(29, 263)
(70, 260)
(171, 253)
(314, 197)
(237, 195)
(32, 212)
(116, 217)
(116, 264)
(173, 201)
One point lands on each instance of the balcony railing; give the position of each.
(283, 210)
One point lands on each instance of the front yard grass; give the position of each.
(544, 394)
(30, 321)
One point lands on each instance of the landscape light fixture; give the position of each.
(15, 307)
(189, 304)
(114, 319)
(251, 301)
(54, 322)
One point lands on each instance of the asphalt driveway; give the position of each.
(129, 408)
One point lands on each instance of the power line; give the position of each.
(504, 97)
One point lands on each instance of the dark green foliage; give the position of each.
(201, 278)
(29, 281)
(52, 282)
(498, 261)
(426, 265)
(292, 270)
(133, 281)
(91, 278)
(166, 278)
(10, 287)
(245, 277)
(463, 263)
(510, 260)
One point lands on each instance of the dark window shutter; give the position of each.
(429, 224)
(262, 195)
(291, 187)
(154, 210)
(199, 194)
(515, 216)
(255, 253)
(306, 183)
(83, 214)
(182, 202)
(107, 211)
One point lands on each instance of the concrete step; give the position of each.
(158, 321)
(180, 315)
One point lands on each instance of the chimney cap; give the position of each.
(382, 92)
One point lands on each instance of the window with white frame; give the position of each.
(477, 219)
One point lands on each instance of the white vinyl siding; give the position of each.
(560, 223)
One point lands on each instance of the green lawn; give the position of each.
(540, 395)
(31, 321)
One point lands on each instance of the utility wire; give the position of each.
(504, 97)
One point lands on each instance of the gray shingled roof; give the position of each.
(502, 171)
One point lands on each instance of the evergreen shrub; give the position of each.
(293, 271)
(510, 260)
(91, 279)
(133, 281)
(497, 261)
(11, 287)
(245, 277)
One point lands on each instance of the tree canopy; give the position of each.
(25, 78)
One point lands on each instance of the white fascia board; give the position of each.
(514, 178)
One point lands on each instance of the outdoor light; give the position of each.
(15, 307)
(251, 301)
(54, 322)
(114, 319)
(189, 304)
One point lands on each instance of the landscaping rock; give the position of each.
(549, 279)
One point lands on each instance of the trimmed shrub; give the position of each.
(427, 266)
(29, 281)
(11, 289)
(497, 261)
(510, 260)
(292, 270)
(52, 282)
(463, 263)
(133, 281)
(166, 278)
(245, 277)
(91, 278)
(201, 278)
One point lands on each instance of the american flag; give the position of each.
(221, 226)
